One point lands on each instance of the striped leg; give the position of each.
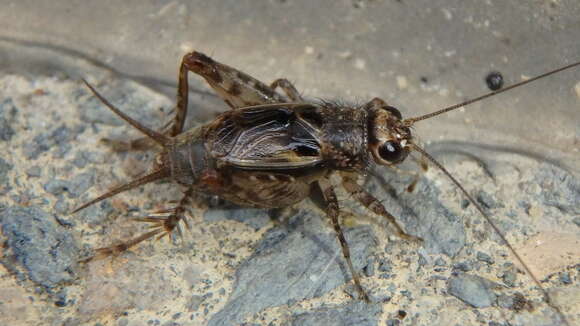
(288, 88)
(332, 210)
(163, 223)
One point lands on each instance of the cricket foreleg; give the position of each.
(373, 204)
(332, 210)
(288, 88)
(163, 223)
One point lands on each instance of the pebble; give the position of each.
(482, 256)
(355, 313)
(473, 290)
(42, 250)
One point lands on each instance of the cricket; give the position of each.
(272, 147)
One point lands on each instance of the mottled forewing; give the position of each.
(265, 137)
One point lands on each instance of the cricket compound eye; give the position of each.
(393, 111)
(392, 152)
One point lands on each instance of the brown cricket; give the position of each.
(269, 149)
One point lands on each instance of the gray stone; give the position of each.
(393, 322)
(560, 189)
(80, 160)
(256, 218)
(369, 269)
(57, 186)
(486, 200)
(422, 260)
(123, 95)
(422, 213)
(194, 303)
(482, 256)
(171, 323)
(516, 302)
(509, 278)
(5, 167)
(7, 113)
(565, 278)
(94, 214)
(34, 171)
(299, 261)
(38, 247)
(440, 262)
(464, 266)
(81, 183)
(356, 313)
(74, 187)
(472, 289)
(122, 321)
(58, 139)
(385, 265)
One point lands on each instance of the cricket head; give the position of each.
(389, 137)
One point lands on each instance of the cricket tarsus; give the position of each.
(117, 249)
(163, 223)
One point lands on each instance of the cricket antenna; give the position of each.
(493, 225)
(159, 138)
(155, 175)
(410, 121)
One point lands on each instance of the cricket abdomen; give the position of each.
(187, 159)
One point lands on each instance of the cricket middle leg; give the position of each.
(333, 211)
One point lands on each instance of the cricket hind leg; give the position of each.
(333, 211)
(163, 223)
(374, 205)
(288, 88)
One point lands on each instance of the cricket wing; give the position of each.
(265, 137)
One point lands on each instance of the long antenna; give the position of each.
(494, 227)
(410, 121)
(161, 139)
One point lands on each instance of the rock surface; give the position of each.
(515, 153)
